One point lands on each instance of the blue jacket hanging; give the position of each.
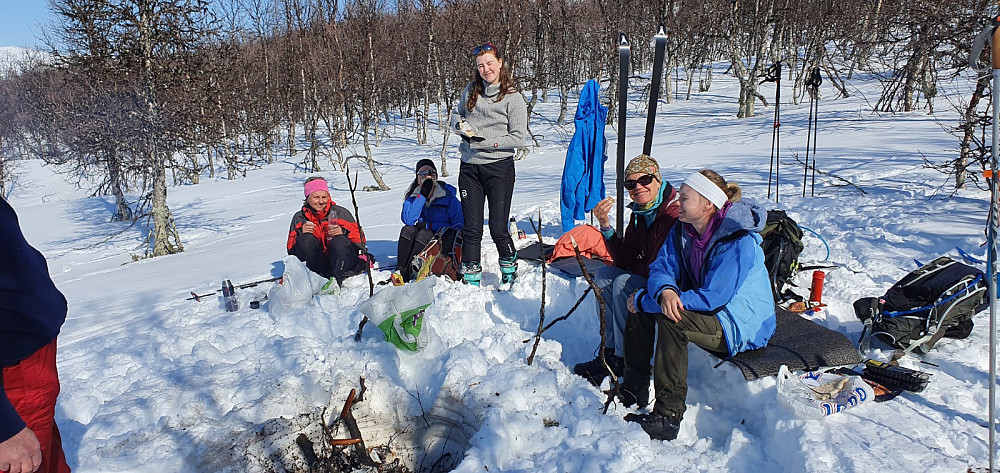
(583, 173)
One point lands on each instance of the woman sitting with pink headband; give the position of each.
(324, 235)
(708, 285)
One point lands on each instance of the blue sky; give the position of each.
(20, 21)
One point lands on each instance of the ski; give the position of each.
(659, 51)
(988, 36)
(624, 56)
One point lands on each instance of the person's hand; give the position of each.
(466, 130)
(334, 230)
(602, 209)
(21, 453)
(308, 227)
(671, 305)
(631, 303)
(427, 188)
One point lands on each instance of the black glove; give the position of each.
(427, 188)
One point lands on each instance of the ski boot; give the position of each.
(472, 272)
(508, 271)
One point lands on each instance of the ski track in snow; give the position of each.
(154, 382)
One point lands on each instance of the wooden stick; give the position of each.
(364, 243)
(541, 310)
(615, 388)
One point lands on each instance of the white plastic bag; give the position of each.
(298, 285)
(399, 312)
(809, 396)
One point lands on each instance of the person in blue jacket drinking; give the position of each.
(709, 286)
(429, 206)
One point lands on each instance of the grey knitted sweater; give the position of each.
(503, 124)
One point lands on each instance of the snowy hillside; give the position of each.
(155, 382)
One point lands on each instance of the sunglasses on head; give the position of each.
(483, 48)
(426, 173)
(644, 180)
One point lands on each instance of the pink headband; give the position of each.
(316, 185)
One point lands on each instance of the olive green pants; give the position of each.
(670, 360)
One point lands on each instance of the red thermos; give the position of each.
(816, 292)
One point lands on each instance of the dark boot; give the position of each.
(634, 394)
(595, 371)
(658, 426)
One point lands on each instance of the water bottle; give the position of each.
(816, 290)
(512, 228)
(229, 296)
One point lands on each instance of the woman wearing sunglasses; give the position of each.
(492, 119)
(708, 285)
(429, 206)
(654, 210)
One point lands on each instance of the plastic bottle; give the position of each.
(512, 228)
(229, 296)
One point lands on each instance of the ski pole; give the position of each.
(774, 75)
(817, 79)
(624, 54)
(812, 88)
(994, 219)
(197, 297)
(805, 167)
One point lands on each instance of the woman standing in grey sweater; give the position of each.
(492, 120)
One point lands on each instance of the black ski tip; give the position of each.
(661, 31)
(622, 40)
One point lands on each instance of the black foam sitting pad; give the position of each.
(537, 252)
(799, 343)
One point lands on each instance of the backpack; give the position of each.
(934, 301)
(442, 256)
(782, 244)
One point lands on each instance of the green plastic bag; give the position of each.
(399, 312)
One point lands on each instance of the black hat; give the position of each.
(425, 162)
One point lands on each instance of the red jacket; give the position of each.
(333, 214)
(641, 244)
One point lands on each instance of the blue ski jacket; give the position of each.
(735, 286)
(583, 173)
(32, 310)
(443, 210)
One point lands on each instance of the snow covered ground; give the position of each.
(155, 382)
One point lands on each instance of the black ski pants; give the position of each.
(670, 361)
(479, 184)
(412, 240)
(339, 261)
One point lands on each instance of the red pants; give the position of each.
(32, 387)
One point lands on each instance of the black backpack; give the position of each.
(936, 300)
(782, 245)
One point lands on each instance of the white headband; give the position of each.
(707, 189)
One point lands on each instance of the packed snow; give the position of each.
(153, 381)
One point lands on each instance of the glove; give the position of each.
(427, 189)
(466, 130)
